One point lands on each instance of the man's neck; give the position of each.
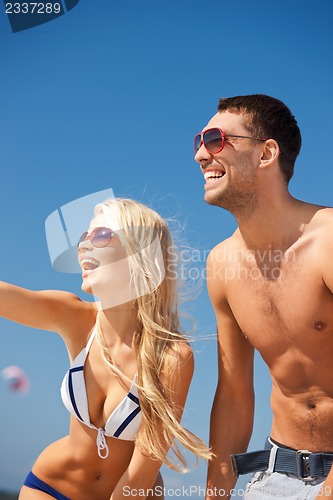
(277, 222)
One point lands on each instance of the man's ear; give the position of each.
(269, 154)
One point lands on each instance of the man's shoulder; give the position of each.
(321, 230)
(322, 220)
(322, 237)
(318, 232)
(324, 215)
(225, 247)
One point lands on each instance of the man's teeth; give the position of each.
(213, 175)
(89, 264)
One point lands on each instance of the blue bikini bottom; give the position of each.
(32, 481)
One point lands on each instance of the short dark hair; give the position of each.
(268, 117)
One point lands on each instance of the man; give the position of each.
(271, 287)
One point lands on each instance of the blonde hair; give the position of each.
(160, 334)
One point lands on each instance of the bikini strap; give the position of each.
(91, 338)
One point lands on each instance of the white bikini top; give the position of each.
(123, 423)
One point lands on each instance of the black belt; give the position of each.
(302, 463)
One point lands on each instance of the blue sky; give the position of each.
(110, 95)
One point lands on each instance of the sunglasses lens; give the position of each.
(83, 237)
(101, 236)
(197, 143)
(213, 140)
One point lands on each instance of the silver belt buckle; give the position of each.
(303, 464)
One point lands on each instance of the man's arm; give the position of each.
(233, 407)
(327, 275)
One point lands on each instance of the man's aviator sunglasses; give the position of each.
(214, 140)
(99, 237)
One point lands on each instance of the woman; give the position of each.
(130, 366)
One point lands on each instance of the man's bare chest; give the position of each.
(280, 303)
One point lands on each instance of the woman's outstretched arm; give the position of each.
(52, 310)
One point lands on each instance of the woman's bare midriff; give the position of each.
(73, 467)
